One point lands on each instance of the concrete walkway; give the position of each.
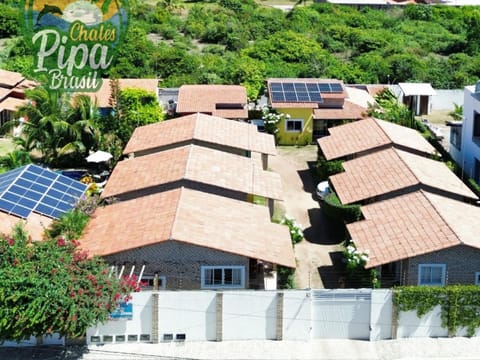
(314, 254)
(457, 348)
(408, 349)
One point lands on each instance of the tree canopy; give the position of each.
(233, 42)
(52, 286)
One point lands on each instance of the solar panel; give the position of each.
(336, 87)
(276, 87)
(32, 188)
(297, 91)
(278, 96)
(325, 88)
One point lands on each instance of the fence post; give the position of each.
(279, 327)
(394, 317)
(155, 338)
(219, 312)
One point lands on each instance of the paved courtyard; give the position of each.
(322, 242)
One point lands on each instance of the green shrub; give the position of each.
(296, 232)
(325, 168)
(460, 304)
(286, 277)
(333, 208)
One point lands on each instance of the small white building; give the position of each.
(465, 135)
(417, 97)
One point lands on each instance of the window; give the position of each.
(223, 276)
(476, 125)
(294, 125)
(476, 172)
(431, 274)
(147, 280)
(456, 136)
(477, 278)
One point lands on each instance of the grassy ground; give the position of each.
(6, 146)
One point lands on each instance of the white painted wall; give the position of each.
(429, 325)
(297, 324)
(252, 315)
(445, 99)
(141, 322)
(192, 313)
(249, 315)
(470, 150)
(381, 315)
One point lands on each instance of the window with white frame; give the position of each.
(431, 274)
(223, 276)
(477, 278)
(294, 125)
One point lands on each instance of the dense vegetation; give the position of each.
(51, 286)
(236, 41)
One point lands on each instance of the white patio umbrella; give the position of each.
(99, 156)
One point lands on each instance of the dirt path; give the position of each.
(314, 254)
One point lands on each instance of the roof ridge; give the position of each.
(424, 194)
(189, 158)
(376, 121)
(195, 118)
(177, 210)
(406, 164)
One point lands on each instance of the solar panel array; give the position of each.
(301, 91)
(33, 188)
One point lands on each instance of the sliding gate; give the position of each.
(341, 314)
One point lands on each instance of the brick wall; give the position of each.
(180, 263)
(461, 264)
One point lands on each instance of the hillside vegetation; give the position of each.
(239, 41)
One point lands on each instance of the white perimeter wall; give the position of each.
(252, 315)
(249, 315)
(141, 323)
(192, 313)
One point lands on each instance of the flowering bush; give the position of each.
(271, 119)
(296, 232)
(355, 259)
(52, 286)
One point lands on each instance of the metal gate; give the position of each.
(341, 314)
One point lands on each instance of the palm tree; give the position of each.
(56, 126)
(83, 131)
(14, 159)
(457, 112)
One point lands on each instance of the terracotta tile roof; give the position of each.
(206, 98)
(435, 174)
(350, 111)
(371, 175)
(369, 134)
(461, 217)
(194, 163)
(10, 78)
(390, 170)
(406, 137)
(352, 138)
(4, 93)
(12, 104)
(35, 224)
(204, 128)
(191, 217)
(402, 227)
(279, 105)
(373, 90)
(102, 96)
